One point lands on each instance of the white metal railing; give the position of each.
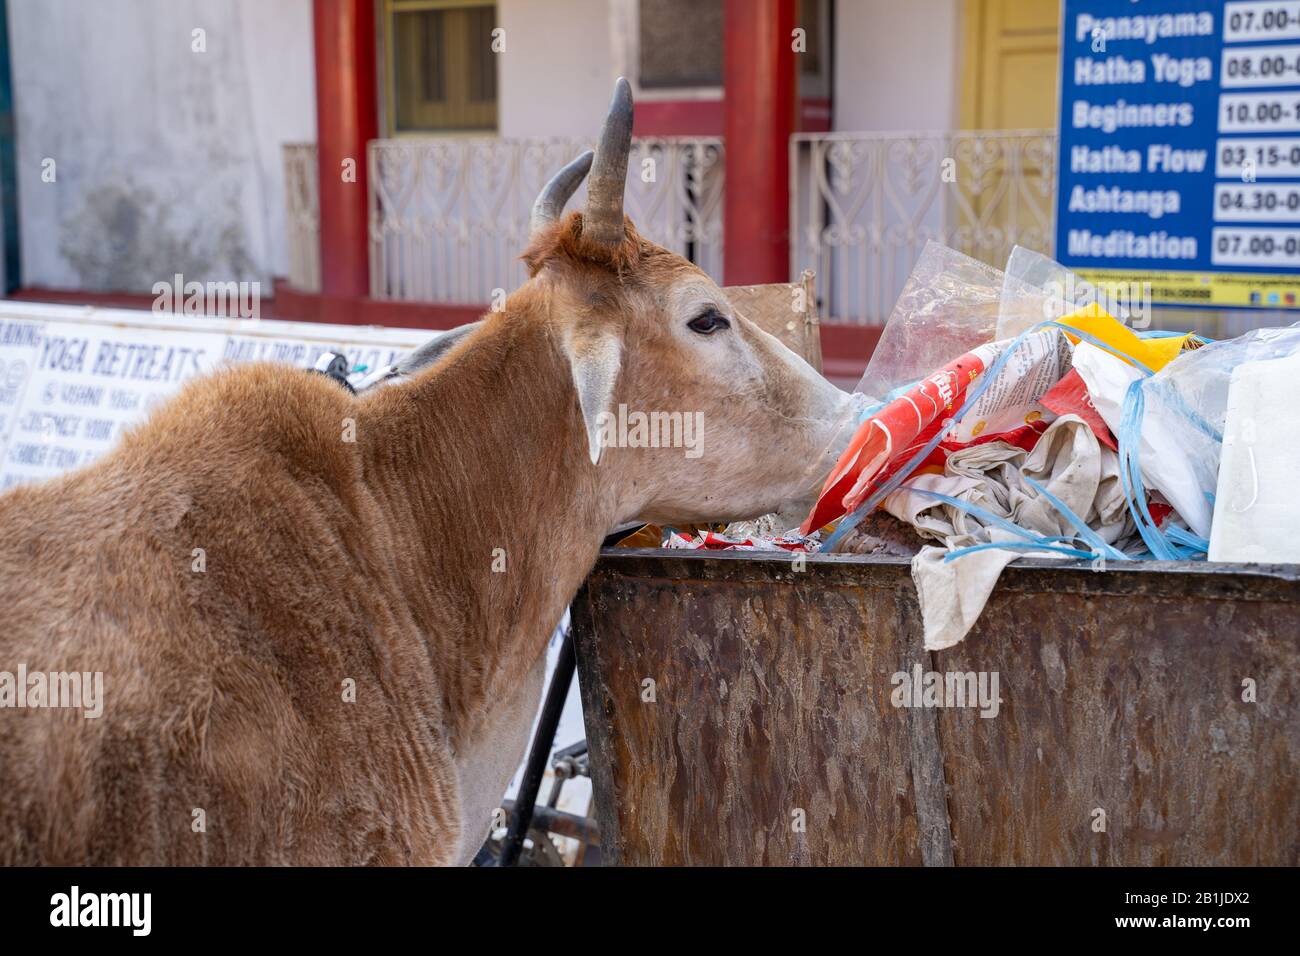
(302, 219)
(449, 217)
(864, 204)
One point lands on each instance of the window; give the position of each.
(814, 16)
(442, 72)
(681, 43)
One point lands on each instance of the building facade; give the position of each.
(372, 160)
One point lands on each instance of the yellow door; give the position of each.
(1012, 48)
(1011, 54)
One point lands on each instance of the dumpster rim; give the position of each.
(1201, 579)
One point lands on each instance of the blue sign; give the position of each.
(1180, 147)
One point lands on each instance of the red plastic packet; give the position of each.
(1070, 396)
(884, 437)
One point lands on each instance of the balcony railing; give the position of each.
(864, 204)
(449, 217)
(302, 208)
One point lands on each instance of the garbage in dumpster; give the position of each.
(1071, 437)
(997, 502)
(1247, 527)
(1070, 396)
(949, 305)
(1168, 466)
(1006, 409)
(712, 541)
(1255, 516)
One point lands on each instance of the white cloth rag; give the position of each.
(1067, 460)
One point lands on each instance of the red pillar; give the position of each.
(759, 77)
(347, 117)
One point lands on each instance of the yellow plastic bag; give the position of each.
(1155, 354)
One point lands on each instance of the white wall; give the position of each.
(558, 69)
(167, 160)
(897, 64)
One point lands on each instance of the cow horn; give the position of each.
(431, 351)
(550, 201)
(603, 221)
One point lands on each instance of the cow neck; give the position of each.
(496, 511)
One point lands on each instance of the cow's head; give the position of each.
(657, 352)
(691, 411)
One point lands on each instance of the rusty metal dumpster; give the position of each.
(742, 711)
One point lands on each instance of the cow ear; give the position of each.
(594, 358)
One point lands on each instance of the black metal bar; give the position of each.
(554, 799)
(561, 823)
(537, 757)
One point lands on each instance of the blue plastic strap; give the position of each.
(988, 517)
(1194, 541)
(1167, 334)
(1130, 472)
(1093, 340)
(849, 522)
(1018, 546)
(1089, 536)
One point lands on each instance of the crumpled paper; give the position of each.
(1068, 461)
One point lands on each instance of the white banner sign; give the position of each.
(72, 379)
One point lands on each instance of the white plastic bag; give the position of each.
(1172, 462)
(1179, 414)
(1256, 509)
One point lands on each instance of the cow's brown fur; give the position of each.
(326, 560)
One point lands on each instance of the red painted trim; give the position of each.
(347, 117)
(291, 305)
(708, 117)
(846, 350)
(297, 306)
(104, 300)
(815, 115)
(759, 71)
(678, 118)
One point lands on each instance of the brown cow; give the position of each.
(312, 650)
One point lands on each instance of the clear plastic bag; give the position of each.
(1187, 403)
(1034, 289)
(1039, 288)
(939, 340)
(948, 307)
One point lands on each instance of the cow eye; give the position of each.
(708, 322)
